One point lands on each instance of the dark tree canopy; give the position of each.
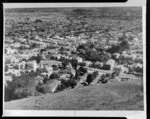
(124, 45)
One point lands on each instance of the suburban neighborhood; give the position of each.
(50, 51)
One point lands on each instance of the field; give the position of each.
(49, 51)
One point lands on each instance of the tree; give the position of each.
(64, 63)
(114, 49)
(74, 63)
(38, 58)
(124, 45)
(6, 68)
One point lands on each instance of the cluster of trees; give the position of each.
(37, 20)
(37, 58)
(20, 87)
(90, 53)
(122, 46)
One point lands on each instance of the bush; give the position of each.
(54, 75)
(124, 45)
(16, 67)
(67, 83)
(22, 93)
(64, 64)
(117, 70)
(6, 68)
(43, 88)
(34, 45)
(91, 77)
(114, 49)
(138, 69)
(37, 20)
(38, 58)
(82, 64)
(74, 63)
(82, 70)
(105, 78)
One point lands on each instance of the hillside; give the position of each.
(125, 95)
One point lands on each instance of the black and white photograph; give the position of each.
(74, 58)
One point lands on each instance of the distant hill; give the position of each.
(108, 12)
(101, 9)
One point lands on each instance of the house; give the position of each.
(44, 64)
(49, 70)
(79, 59)
(22, 40)
(12, 59)
(32, 65)
(11, 51)
(99, 64)
(133, 56)
(88, 63)
(7, 78)
(123, 68)
(109, 64)
(135, 39)
(139, 59)
(116, 55)
(22, 65)
(17, 45)
(83, 41)
(138, 65)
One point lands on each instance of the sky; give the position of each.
(32, 5)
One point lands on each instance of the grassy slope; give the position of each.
(112, 96)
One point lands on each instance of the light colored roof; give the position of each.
(110, 61)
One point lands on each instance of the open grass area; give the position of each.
(111, 96)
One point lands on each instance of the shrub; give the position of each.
(16, 67)
(91, 77)
(138, 69)
(117, 70)
(43, 88)
(114, 49)
(124, 45)
(67, 83)
(82, 70)
(74, 63)
(64, 63)
(6, 68)
(105, 78)
(34, 45)
(22, 93)
(82, 64)
(54, 75)
(37, 20)
(38, 58)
